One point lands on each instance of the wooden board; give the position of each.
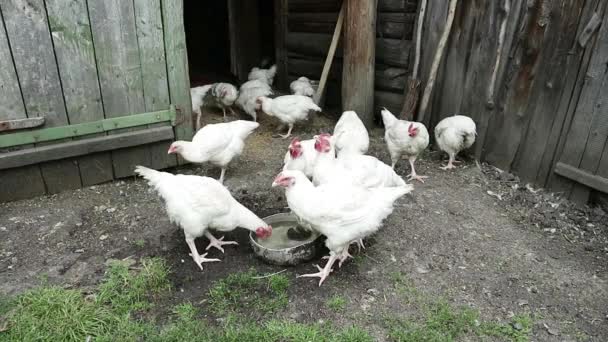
(85, 146)
(150, 38)
(407, 6)
(23, 182)
(177, 67)
(32, 50)
(71, 34)
(120, 72)
(280, 35)
(392, 52)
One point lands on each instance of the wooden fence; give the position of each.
(545, 114)
(81, 61)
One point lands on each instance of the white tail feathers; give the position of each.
(387, 118)
(152, 176)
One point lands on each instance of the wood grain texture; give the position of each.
(73, 42)
(401, 6)
(23, 182)
(120, 72)
(150, 39)
(281, 20)
(358, 63)
(177, 67)
(32, 49)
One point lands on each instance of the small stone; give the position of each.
(111, 210)
(181, 290)
(550, 330)
(522, 302)
(373, 292)
(79, 250)
(103, 237)
(3, 229)
(517, 326)
(78, 224)
(182, 261)
(424, 270)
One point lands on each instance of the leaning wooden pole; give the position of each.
(436, 61)
(412, 88)
(359, 58)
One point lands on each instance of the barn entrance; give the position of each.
(225, 39)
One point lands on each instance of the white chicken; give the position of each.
(301, 156)
(350, 134)
(216, 143)
(352, 169)
(248, 95)
(288, 109)
(454, 134)
(197, 204)
(407, 138)
(267, 75)
(302, 86)
(221, 95)
(343, 213)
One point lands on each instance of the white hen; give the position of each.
(407, 138)
(350, 134)
(267, 75)
(196, 95)
(302, 86)
(301, 156)
(248, 95)
(454, 134)
(288, 109)
(352, 169)
(343, 213)
(221, 95)
(216, 143)
(198, 203)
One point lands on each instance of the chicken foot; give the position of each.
(323, 272)
(413, 174)
(222, 174)
(218, 243)
(450, 163)
(198, 258)
(342, 257)
(285, 136)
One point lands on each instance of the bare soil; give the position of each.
(475, 236)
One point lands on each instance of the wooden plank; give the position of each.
(24, 182)
(577, 62)
(549, 86)
(389, 100)
(81, 147)
(318, 96)
(148, 20)
(71, 34)
(120, 73)
(389, 25)
(281, 20)
(177, 67)
(582, 177)
(392, 52)
(16, 124)
(163, 117)
(32, 48)
(358, 64)
(407, 6)
(591, 26)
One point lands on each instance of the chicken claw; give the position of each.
(448, 167)
(416, 177)
(323, 272)
(342, 257)
(218, 243)
(200, 259)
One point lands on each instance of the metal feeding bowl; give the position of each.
(289, 244)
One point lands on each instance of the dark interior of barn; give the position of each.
(208, 39)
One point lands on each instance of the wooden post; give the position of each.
(359, 59)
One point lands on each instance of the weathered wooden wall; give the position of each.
(78, 61)
(310, 24)
(545, 102)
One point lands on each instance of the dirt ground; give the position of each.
(475, 236)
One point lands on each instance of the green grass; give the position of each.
(242, 292)
(337, 303)
(139, 243)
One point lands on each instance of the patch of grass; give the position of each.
(126, 291)
(337, 303)
(242, 292)
(518, 330)
(405, 287)
(139, 243)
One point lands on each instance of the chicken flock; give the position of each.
(330, 183)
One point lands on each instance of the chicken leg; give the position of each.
(218, 243)
(285, 136)
(450, 163)
(413, 174)
(198, 259)
(323, 272)
(222, 174)
(198, 120)
(342, 257)
(224, 111)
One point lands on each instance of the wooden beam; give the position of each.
(280, 39)
(330, 57)
(593, 181)
(359, 59)
(77, 130)
(84, 147)
(11, 125)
